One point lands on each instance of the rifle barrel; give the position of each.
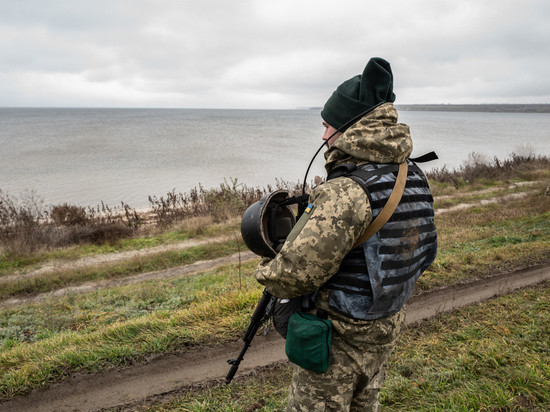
(260, 315)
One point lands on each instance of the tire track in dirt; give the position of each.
(120, 256)
(180, 271)
(483, 202)
(166, 375)
(186, 270)
(113, 257)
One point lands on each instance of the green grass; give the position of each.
(42, 343)
(489, 250)
(475, 246)
(87, 313)
(8, 264)
(266, 391)
(494, 356)
(216, 308)
(163, 260)
(491, 356)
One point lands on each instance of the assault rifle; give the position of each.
(264, 308)
(261, 314)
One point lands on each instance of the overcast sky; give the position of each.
(268, 53)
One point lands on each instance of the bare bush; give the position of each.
(230, 199)
(478, 167)
(174, 207)
(99, 233)
(69, 215)
(102, 224)
(22, 227)
(26, 226)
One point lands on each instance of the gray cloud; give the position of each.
(268, 54)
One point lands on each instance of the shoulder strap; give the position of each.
(389, 207)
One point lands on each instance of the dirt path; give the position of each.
(483, 202)
(489, 190)
(120, 256)
(167, 375)
(180, 271)
(113, 257)
(188, 269)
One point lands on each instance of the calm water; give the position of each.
(85, 156)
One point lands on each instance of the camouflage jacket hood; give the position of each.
(375, 138)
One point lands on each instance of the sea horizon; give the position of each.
(86, 156)
(481, 107)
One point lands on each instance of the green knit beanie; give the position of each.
(359, 94)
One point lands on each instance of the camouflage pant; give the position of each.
(356, 371)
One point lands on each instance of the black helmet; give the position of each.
(266, 224)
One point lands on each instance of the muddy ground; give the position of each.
(164, 376)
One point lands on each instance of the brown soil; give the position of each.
(166, 375)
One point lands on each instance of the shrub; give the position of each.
(100, 233)
(478, 167)
(26, 226)
(229, 200)
(22, 227)
(69, 215)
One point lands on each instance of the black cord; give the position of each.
(310, 163)
(344, 126)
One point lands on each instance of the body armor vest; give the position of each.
(377, 278)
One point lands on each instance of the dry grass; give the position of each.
(489, 239)
(478, 169)
(27, 226)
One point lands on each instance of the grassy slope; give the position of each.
(493, 356)
(22, 263)
(57, 279)
(123, 324)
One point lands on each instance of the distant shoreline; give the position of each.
(493, 108)
(489, 108)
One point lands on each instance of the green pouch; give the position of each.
(308, 341)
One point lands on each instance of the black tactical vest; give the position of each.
(377, 278)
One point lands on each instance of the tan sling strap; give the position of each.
(389, 207)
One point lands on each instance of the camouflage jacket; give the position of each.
(340, 209)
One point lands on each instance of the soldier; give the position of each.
(361, 288)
